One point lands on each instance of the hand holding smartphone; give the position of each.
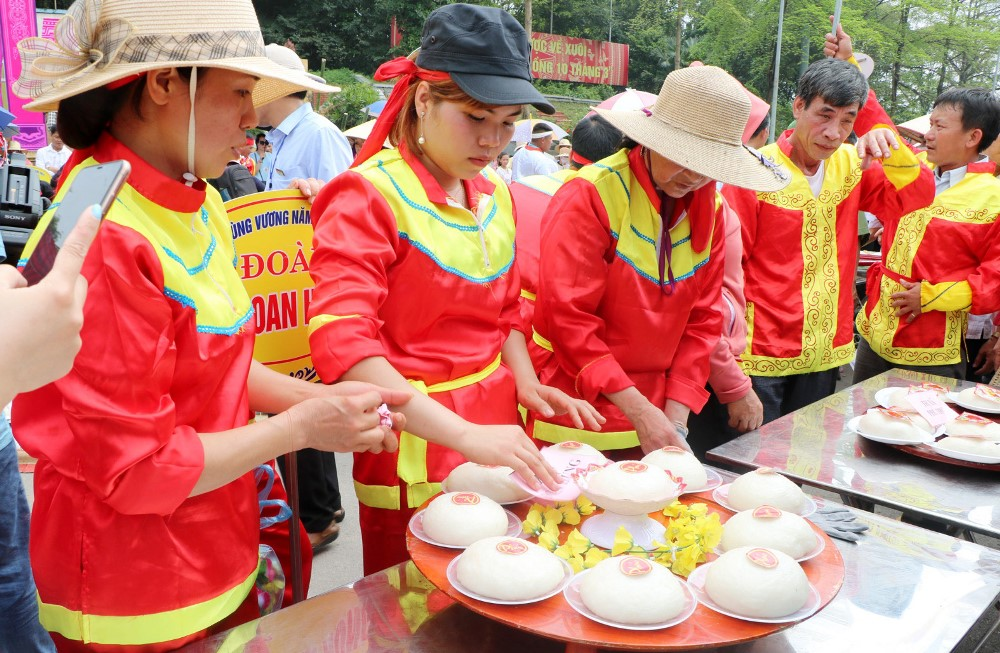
(94, 185)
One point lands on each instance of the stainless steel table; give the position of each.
(905, 589)
(814, 446)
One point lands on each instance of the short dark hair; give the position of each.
(980, 110)
(764, 124)
(300, 95)
(594, 138)
(836, 81)
(53, 128)
(541, 130)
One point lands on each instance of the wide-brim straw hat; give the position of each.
(697, 122)
(99, 42)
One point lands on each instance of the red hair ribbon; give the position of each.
(408, 72)
(579, 160)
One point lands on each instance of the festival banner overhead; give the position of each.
(568, 59)
(273, 236)
(17, 21)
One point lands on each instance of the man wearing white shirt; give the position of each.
(533, 158)
(304, 144)
(53, 156)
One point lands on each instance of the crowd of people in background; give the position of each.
(661, 278)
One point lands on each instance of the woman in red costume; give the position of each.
(415, 282)
(146, 524)
(627, 312)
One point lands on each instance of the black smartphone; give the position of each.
(96, 184)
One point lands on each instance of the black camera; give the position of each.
(21, 205)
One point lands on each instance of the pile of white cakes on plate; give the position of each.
(461, 518)
(631, 590)
(757, 583)
(631, 480)
(981, 397)
(492, 481)
(890, 423)
(681, 464)
(765, 487)
(509, 569)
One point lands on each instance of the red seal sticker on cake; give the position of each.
(763, 558)
(971, 418)
(632, 566)
(672, 449)
(987, 392)
(927, 385)
(893, 413)
(465, 498)
(766, 512)
(634, 467)
(512, 547)
(570, 444)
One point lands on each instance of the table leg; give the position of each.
(993, 629)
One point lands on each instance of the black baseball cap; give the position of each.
(485, 50)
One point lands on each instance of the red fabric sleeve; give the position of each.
(873, 115)
(745, 205)
(690, 367)
(350, 282)
(123, 441)
(985, 281)
(578, 247)
(513, 315)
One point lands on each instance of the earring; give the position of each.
(420, 139)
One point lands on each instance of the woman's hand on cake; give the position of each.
(505, 444)
(549, 401)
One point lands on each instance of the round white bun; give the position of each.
(748, 589)
(770, 528)
(913, 427)
(461, 518)
(509, 569)
(975, 446)
(682, 465)
(491, 481)
(631, 480)
(580, 448)
(988, 429)
(897, 398)
(765, 487)
(632, 590)
(970, 398)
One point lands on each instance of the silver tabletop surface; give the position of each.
(814, 446)
(905, 589)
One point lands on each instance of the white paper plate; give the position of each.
(572, 595)
(953, 396)
(417, 528)
(696, 581)
(713, 481)
(452, 573)
(721, 496)
(886, 439)
(965, 455)
(818, 549)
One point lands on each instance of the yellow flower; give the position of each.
(549, 541)
(533, 522)
(674, 510)
(568, 513)
(593, 556)
(698, 509)
(577, 542)
(685, 560)
(711, 531)
(577, 563)
(585, 506)
(623, 542)
(552, 515)
(551, 529)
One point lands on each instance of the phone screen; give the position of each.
(96, 184)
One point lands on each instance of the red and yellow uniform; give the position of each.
(606, 319)
(405, 273)
(122, 554)
(953, 248)
(800, 254)
(531, 196)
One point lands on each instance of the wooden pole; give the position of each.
(777, 69)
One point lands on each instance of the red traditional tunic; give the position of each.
(117, 545)
(800, 253)
(404, 273)
(531, 197)
(604, 322)
(953, 247)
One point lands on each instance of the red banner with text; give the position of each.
(568, 59)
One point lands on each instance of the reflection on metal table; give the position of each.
(814, 446)
(906, 589)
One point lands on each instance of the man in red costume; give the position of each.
(800, 244)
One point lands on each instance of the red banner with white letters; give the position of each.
(568, 59)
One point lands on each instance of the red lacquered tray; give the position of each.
(555, 619)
